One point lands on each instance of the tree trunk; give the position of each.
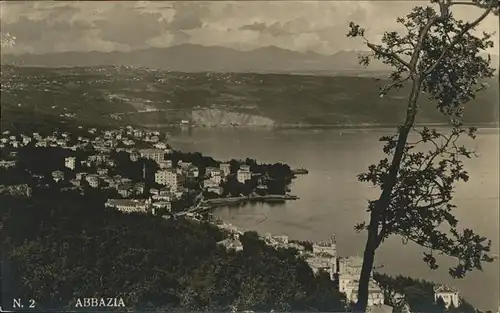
(366, 270)
(376, 215)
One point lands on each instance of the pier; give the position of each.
(236, 200)
(300, 171)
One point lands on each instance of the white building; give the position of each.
(216, 189)
(168, 178)
(216, 178)
(160, 145)
(349, 270)
(225, 168)
(243, 175)
(26, 140)
(208, 183)
(41, 143)
(128, 142)
(283, 239)
(165, 164)
(350, 288)
(449, 295)
(231, 244)
(134, 156)
(193, 171)
(129, 205)
(69, 162)
(102, 171)
(93, 180)
(58, 175)
(350, 266)
(327, 250)
(81, 175)
(184, 165)
(159, 197)
(325, 257)
(7, 164)
(321, 264)
(156, 155)
(124, 190)
(382, 308)
(212, 171)
(245, 167)
(167, 205)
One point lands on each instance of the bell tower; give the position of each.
(333, 249)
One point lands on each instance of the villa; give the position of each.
(449, 295)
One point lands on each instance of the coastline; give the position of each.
(212, 203)
(319, 126)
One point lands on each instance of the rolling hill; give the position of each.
(157, 97)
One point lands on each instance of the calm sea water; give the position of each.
(333, 201)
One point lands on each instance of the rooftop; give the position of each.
(151, 151)
(445, 289)
(126, 202)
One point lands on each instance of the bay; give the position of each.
(333, 201)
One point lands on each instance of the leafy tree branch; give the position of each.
(439, 55)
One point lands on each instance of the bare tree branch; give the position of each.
(397, 82)
(391, 55)
(475, 4)
(432, 205)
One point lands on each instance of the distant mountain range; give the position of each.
(198, 58)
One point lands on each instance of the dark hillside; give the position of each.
(62, 246)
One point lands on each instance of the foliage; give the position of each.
(134, 170)
(276, 176)
(421, 198)
(308, 246)
(418, 294)
(440, 57)
(61, 246)
(180, 205)
(232, 187)
(196, 158)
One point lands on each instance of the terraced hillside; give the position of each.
(148, 97)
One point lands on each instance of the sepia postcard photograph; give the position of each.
(250, 156)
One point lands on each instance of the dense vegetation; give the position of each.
(418, 294)
(92, 94)
(61, 246)
(43, 161)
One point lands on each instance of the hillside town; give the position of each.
(92, 161)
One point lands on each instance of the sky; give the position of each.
(319, 26)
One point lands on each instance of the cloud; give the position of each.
(188, 15)
(50, 26)
(61, 12)
(275, 29)
(141, 28)
(259, 27)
